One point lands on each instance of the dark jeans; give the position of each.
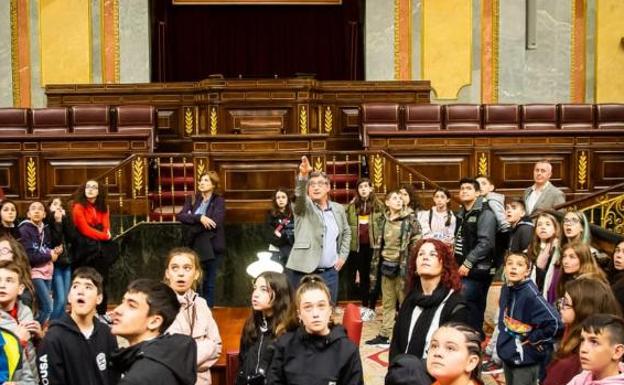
(61, 281)
(362, 261)
(43, 290)
(330, 276)
(475, 293)
(210, 268)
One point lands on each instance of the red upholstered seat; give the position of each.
(423, 117)
(576, 116)
(231, 366)
(90, 119)
(352, 323)
(137, 120)
(379, 117)
(539, 116)
(13, 121)
(501, 116)
(464, 117)
(610, 116)
(53, 120)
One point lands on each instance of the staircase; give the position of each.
(343, 175)
(173, 182)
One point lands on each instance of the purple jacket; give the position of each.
(36, 244)
(215, 211)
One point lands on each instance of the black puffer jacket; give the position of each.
(254, 359)
(304, 359)
(478, 232)
(170, 359)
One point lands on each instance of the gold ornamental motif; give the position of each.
(378, 171)
(31, 176)
(213, 121)
(137, 176)
(303, 120)
(483, 164)
(582, 169)
(328, 120)
(200, 169)
(318, 164)
(188, 120)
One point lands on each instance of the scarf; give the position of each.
(429, 304)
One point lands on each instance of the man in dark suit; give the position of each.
(542, 195)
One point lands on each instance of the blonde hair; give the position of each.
(192, 255)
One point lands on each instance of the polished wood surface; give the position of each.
(230, 321)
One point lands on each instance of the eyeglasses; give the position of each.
(562, 304)
(571, 221)
(5, 251)
(317, 184)
(92, 187)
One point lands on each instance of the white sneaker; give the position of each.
(368, 315)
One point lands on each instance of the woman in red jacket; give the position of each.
(92, 220)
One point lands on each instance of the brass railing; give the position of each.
(150, 188)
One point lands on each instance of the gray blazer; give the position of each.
(551, 197)
(309, 229)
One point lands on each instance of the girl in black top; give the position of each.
(8, 216)
(269, 302)
(280, 226)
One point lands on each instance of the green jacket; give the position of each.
(410, 234)
(374, 223)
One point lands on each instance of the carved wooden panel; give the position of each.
(244, 180)
(514, 170)
(9, 176)
(445, 170)
(64, 176)
(607, 168)
(257, 120)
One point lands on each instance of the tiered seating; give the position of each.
(13, 121)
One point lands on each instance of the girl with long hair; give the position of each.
(8, 217)
(270, 301)
(544, 252)
(455, 354)
(582, 298)
(315, 351)
(575, 228)
(577, 262)
(280, 226)
(434, 298)
(12, 250)
(61, 233)
(182, 273)
(363, 214)
(617, 276)
(439, 221)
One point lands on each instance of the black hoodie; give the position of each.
(167, 360)
(66, 357)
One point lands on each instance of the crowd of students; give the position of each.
(559, 315)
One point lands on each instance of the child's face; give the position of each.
(545, 228)
(56, 205)
(10, 288)
(314, 311)
(467, 193)
(571, 262)
(427, 261)
(281, 199)
(6, 253)
(572, 226)
(262, 296)
(597, 352)
(516, 269)
(440, 200)
(83, 297)
(404, 196)
(364, 190)
(618, 256)
(485, 185)
(8, 213)
(131, 319)
(566, 309)
(514, 212)
(36, 212)
(448, 357)
(181, 273)
(394, 202)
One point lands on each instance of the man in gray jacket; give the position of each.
(322, 233)
(542, 195)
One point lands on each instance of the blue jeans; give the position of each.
(475, 293)
(43, 287)
(330, 276)
(61, 281)
(210, 268)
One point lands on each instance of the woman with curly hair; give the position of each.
(434, 298)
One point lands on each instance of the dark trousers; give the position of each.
(475, 293)
(330, 276)
(362, 262)
(209, 282)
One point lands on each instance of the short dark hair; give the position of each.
(91, 274)
(517, 200)
(161, 299)
(519, 254)
(471, 181)
(601, 322)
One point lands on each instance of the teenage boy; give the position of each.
(527, 324)
(76, 349)
(399, 232)
(521, 230)
(147, 309)
(601, 351)
(475, 240)
(18, 319)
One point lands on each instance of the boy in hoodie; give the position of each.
(601, 351)
(521, 230)
(527, 324)
(147, 309)
(76, 349)
(399, 232)
(17, 319)
(35, 237)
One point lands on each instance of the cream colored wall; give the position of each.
(609, 51)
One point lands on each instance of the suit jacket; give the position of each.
(309, 229)
(215, 211)
(551, 197)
